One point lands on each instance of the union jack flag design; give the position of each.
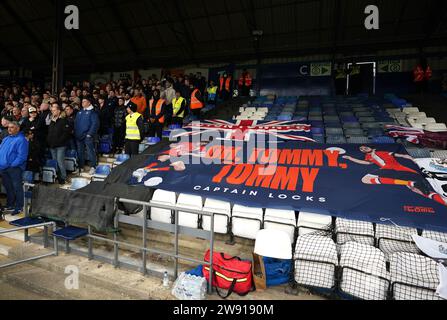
(243, 130)
(410, 134)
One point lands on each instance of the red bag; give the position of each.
(229, 273)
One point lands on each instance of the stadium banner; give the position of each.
(374, 183)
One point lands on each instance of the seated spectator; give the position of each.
(13, 157)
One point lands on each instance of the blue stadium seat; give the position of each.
(383, 140)
(375, 132)
(26, 222)
(49, 171)
(354, 133)
(330, 131)
(358, 140)
(335, 139)
(28, 177)
(70, 233)
(105, 144)
(78, 183)
(71, 160)
(120, 159)
(318, 138)
(101, 173)
(153, 140)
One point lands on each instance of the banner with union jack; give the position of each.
(244, 130)
(419, 136)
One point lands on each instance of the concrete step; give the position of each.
(52, 284)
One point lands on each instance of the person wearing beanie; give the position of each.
(134, 129)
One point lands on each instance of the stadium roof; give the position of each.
(153, 33)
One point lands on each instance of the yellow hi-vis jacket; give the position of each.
(132, 131)
(176, 105)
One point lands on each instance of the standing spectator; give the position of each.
(134, 129)
(25, 116)
(156, 115)
(119, 126)
(13, 157)
(245, 83)
(112, 101)
(17, 113)
(59, 133)
(34, 162)
(212, 93)
(140, 101)
(70, 115)
(196, 102)
(168, 95)
(179, 107)
(225, 87)
(41, 127)
(86, 129)
(105, 115)
(4, 127)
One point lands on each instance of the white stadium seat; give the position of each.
(186, 201)
(356, 231)
(222, 215)
(284, 220)
(310, 223)
(436, 127)
(364, 274)
(316, 261)
(413, 277)
(436, 236)
(391, 239)
(164, 198)
(410, 110)
(281, 248)
(246, 221)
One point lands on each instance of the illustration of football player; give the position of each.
(389, 166)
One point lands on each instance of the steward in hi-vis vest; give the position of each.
(134, 129)
(179, 107)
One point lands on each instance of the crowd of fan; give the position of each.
(83, 112)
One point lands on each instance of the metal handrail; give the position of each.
(144, 225)
(55, 252)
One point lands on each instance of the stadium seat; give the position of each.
(418, 153)
(49, 171)
(358, 140)
(436, 236)
(336, 140)
(436, 127)
(70, 233)
(186, 201)
(71, 160)
(105, 144)
(78, 183)
(311, 223)
(413, 277)
(28, 177)
(383, 140)
(391, 239)
(101, 173)
(284, 220)
(246, 221)
(120, 159)
(363, 272)
(281, 248)
(222, 216)
(166, 198)
(354, 231)
(410, 110)
(316, 261)
(354, 133)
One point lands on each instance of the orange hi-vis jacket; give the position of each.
(245, 80)
(195, 103)
(158, 108)
(226, 82)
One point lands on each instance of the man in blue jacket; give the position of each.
(13, 157)
(86, 129)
